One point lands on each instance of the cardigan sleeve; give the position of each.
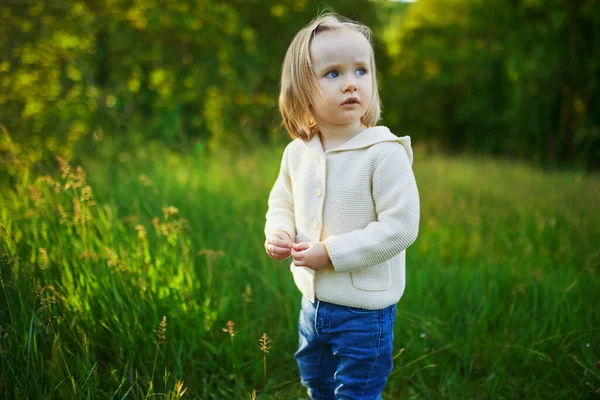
(280, 213)
(397, 204)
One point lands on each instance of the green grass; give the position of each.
(502, 297)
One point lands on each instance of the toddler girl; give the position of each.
(345, 207)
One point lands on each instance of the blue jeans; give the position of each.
(344, 352)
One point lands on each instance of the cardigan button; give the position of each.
(315, 224)
(318, 192)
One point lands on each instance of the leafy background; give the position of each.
(518, 78)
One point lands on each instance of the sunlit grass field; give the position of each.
(143, 274)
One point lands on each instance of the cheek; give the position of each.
(368, 90)
(327, 90)
(368, 86)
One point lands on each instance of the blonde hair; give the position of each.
(298, 83)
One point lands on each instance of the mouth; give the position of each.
(351, 100)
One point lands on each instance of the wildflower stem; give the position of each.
(265, 368)
(234, 361)
(160, 338)
(154, 366)
(264, 346)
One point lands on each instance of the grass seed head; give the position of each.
(230, 328)
(64, 218)
(162, 329)
(86, 193)
(145, 180)
(247, 295)
(79, 178)
(64, 167)
(78, 217)
(113, 261)
(179, 389)
(168, 211)
(265, 343)
(43, 258)
(89, 254)
(141, 232)
(35, 195)
(47, 179)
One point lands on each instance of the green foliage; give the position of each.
(513, 78)
(203, 70)
(123, 278)
(518, 79)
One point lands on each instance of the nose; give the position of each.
(349, 85)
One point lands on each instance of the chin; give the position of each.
(351, 121)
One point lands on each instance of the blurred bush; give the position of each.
(177, 69)
(516, 78)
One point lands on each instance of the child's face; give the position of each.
(340, 59)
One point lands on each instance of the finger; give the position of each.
(280, 243)
(299, 263)
(300, 246)
(278, 250)
(296, 253)
(276, 247)
(278, 256)
(285, 241)
(282, 235)
(281, 254)
(281, 257)
(299, 251)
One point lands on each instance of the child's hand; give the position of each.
(278, 246)
(311, 255)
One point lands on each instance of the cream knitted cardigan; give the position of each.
(361, 199)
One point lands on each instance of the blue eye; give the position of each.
(331, 74)
(361, 71)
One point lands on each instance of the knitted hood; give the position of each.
(364, 139)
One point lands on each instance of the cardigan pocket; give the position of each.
(375, 278)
